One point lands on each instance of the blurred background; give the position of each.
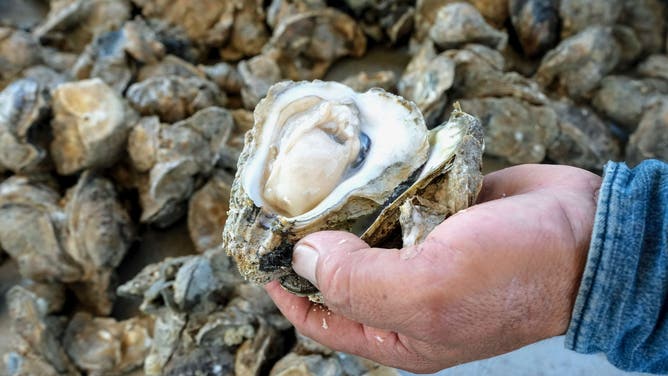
(121, 123)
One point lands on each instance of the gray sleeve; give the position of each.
(622, 305)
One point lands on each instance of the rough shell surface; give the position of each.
(90, 126)
(174, 158)
(650, 140)
(306, 44)
(23, 107)
(458, 24)
(174, 98)
(207, 211)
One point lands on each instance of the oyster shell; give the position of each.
(318, 157)
(257, 75)
(102, 346)
(40, 331)
(449, 181)
(18, 50)
(426, 80)
(174, 98)
(71, 24)
(173, 160)
(363, 81)
(90, 126)
(99, 233)
(536, 23)
(650, 140)
(207, 211)
(23, 106)
(385, 19)
(460, 23)
(281, 9)
(577, 15)
(573, 68)
(495, 11)
(647, 18)
(515, 130)
(625, 99)
(584, 140)
(306, 44)
(32, 231)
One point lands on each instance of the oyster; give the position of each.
(173, 159)
(18, 50)
(426, 11)
(32, 231)
(225, 75)
(584, 140)
(103, 346)
(23, 106)
(38, 330)
(363, 81)
(90, 126)
(625, 99)
(577, 15)
(650, 140)
(174, 98)
(99, 233)
(448, 182)
(306, 44)
(426, 80)
(170, 65)
(281, 9)
(515, 130)
(71, 24)
(257, 75)
(655, 66)
(318, 157)
(460, 23)
(536, 23)
(577, 65)
(648, 19)
(110, 56)
(207, 211)
(384, 19)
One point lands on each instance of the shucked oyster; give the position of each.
(322, 156)
(319, 156)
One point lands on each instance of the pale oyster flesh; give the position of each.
(319, 157)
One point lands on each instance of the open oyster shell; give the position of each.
(319, 156)
(322, 156)
(449, 181)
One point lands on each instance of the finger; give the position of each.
(377, 287)
(341, 334)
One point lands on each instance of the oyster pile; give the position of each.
(123, 143)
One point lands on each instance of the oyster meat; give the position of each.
(322, 156)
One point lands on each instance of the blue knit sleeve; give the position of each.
(622, 305)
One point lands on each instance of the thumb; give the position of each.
(373, 286)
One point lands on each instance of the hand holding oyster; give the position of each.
(322, 156)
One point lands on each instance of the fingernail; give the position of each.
(304, 261)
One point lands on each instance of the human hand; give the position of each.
(495, 277)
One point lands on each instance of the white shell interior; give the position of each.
(396, 130)
(443, 141)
